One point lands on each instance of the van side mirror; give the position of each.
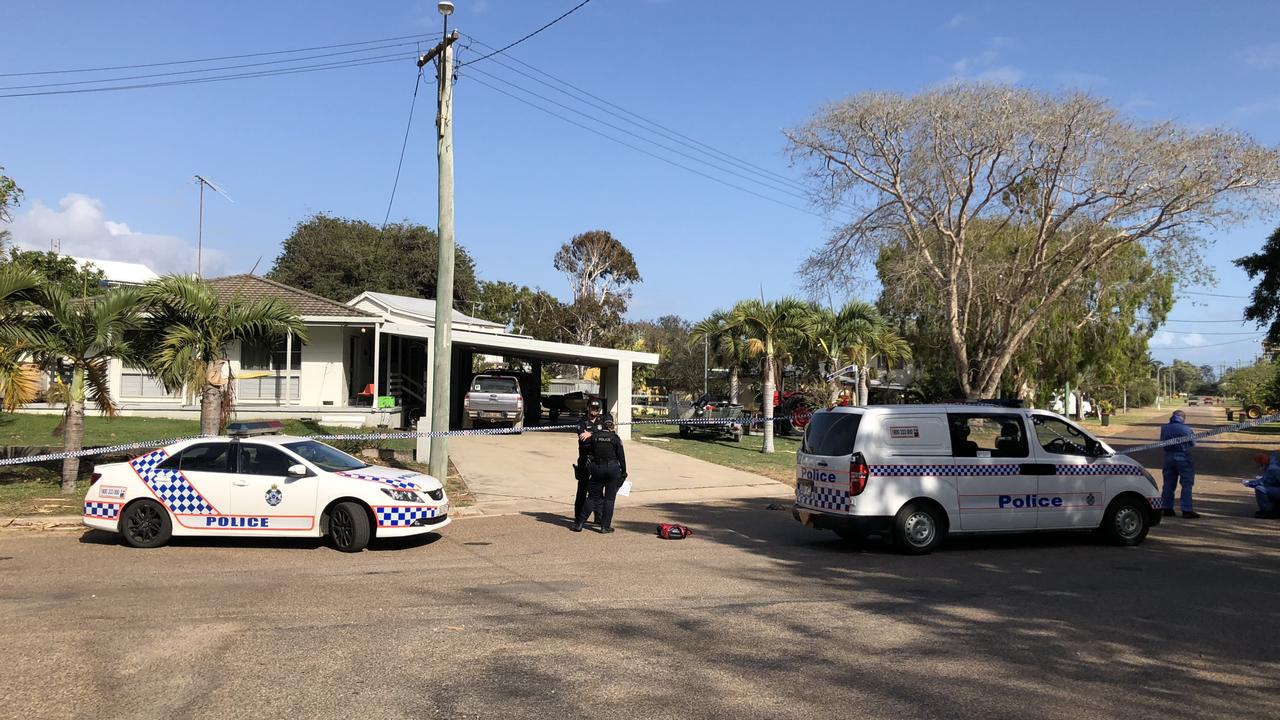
(297, 470)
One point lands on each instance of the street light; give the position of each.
(445, 7)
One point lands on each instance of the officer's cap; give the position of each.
(594, 404)
(607, 420)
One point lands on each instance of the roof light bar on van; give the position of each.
(259, 427)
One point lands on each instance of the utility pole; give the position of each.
(200, 228)
(441, 364)
(706, 370)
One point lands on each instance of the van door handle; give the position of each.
(239, 483)
(821, 464)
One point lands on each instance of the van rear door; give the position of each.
(824, 459)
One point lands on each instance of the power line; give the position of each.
(417, 84)
(642, 138)
(209, 69)
(1215, 295)
(627, 115)
(1198, 347)
(526, 37)
(1173, 320)
(644, 151)
(377, 60)
(419, 36)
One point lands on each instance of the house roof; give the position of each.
(115, 271)
(306, 304)
(420, 307)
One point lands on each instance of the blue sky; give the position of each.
(110, 173)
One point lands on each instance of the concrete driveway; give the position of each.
(532, 473)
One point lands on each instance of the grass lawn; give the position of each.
(34, 490)
(745, 455)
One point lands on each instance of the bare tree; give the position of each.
(933, 176)
(601, 271)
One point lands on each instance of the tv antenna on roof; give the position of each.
(200, 228)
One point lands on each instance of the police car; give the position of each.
(259, 484)
(919, 472)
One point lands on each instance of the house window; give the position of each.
(136, 382)
(264, 356)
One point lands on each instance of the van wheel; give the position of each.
(145, 525)
(918, 529)
(1125, 522)
(348, 527)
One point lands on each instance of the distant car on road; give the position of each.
(1207, 400)
(1192, 401)
(256, 484)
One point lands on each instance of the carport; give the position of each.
(615, 368)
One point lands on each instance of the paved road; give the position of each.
(755, 617)
(532, 472)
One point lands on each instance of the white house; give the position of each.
(374, 346)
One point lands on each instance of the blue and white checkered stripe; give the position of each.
(825, 498)
(399, 481)
(1157, 502)
(1097, 470)
(105, 510)
(393, 516)
(172, 487)
(943, 470)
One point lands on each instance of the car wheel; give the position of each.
(145, 524)
(1125, 522)
(348, 527)
(918, 528)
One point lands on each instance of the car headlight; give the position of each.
(402, 495)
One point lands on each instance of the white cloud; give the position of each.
(81, 226)
(1262, 56)
(955, 22)
(986, 66)
(1164, 338)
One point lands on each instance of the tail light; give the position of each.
(520, 404)
(466, 401)
(858, 472)
(95, 477)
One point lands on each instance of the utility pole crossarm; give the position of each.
(433, 52)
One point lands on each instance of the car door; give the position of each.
(1073, 484)
(266, 497)
(194, 483)
(988, 455)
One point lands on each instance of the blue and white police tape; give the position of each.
(405, 435)
(1200, 435)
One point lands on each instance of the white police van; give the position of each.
(258, 484)
(919, 472)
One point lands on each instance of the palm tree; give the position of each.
(81, 336)
(835, 334)
(190, 329)
(728, 347)
(17, 384)
(767, 326)
(881, 341)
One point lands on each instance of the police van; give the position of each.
(917, 473)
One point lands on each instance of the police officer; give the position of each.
(1178, 468)
(608, 470)
(582, 471)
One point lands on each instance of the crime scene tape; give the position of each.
(1200, 435)
(404, 435)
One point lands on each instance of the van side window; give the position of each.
(831, 433)
(988, 435)
(1060, 438)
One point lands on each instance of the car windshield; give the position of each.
(494, 385)
(324, 457)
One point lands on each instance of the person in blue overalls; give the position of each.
(1178, 467)
(1267, 489)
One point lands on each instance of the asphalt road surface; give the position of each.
(754, 617)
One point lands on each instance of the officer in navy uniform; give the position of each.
(608, 470)
(582, 471)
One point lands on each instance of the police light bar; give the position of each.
(260, 427)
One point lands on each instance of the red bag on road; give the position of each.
(671, 531)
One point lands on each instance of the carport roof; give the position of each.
(528, 347)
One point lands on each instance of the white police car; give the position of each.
(254, 484)
(918, 472)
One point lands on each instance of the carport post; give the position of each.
(615, 380)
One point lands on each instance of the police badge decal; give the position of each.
(274, 496)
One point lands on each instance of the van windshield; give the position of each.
(831, 433)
